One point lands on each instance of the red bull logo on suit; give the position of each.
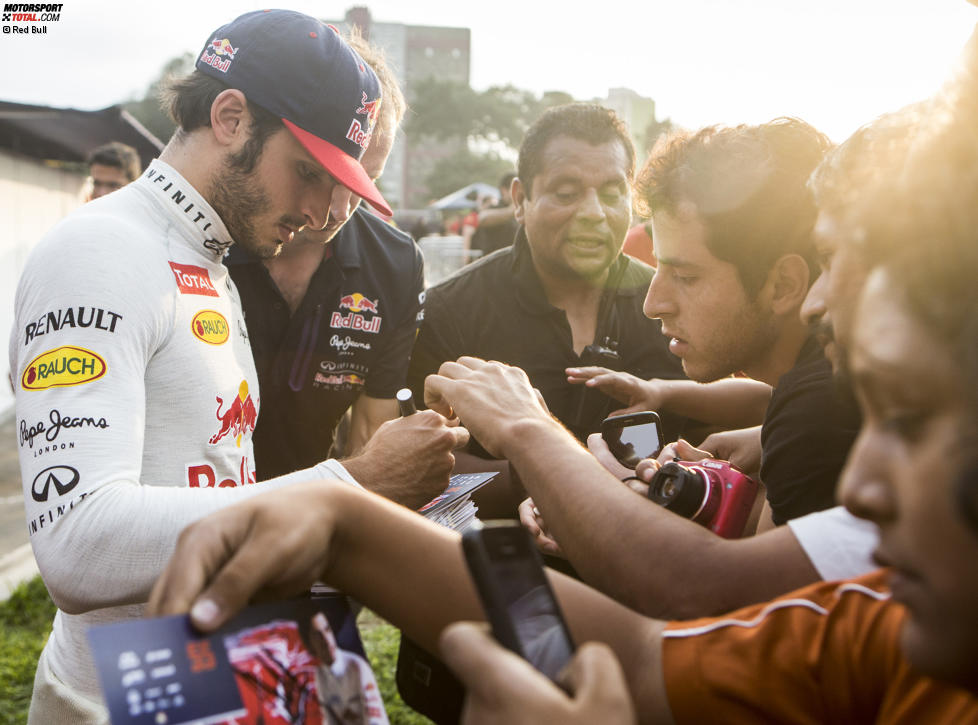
(239, 418)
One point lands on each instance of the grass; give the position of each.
(381, 641)
(25, 620)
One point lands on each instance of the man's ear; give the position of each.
(230, 118)
(788, 282)
(519, 198)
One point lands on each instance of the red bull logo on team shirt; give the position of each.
(354, 321)
(239, 418)
(358, 303)
(349, 381)
(219, 48)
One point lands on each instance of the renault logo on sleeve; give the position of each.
(64, 478)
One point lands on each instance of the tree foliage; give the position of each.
(462, 168)
(494, 118)
(489, 124)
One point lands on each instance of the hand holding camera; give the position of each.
(714, 494)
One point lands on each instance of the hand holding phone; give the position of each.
(516, 595)
(633, 437)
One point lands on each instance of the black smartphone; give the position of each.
(633, 436)
(519, 603)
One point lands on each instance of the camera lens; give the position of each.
(678, 489)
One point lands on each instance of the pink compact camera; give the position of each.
(714, 494)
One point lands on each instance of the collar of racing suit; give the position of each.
(203, 224)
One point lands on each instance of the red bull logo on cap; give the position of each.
(223, 47)
(219, 48)
(358, 303)
(239, 419)
(370, 109)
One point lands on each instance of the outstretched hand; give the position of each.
(274, 545)
(645, 469)
(488, 397)
(635, 393)
(504, 688)
(533, 522)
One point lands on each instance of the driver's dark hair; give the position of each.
(188, 102)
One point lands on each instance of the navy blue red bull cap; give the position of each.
(298, 68)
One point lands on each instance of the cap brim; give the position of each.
(341, 166)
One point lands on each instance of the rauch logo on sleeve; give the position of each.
(193, 280)
(61, 367)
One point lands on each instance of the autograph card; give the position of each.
(299, 661)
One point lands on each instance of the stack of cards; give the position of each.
(454, 508)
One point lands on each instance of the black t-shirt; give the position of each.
(352, 333)
(810, 425)
(496, 309)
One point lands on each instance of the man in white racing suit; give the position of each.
(136, 392)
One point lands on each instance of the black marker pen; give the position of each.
(405, 401)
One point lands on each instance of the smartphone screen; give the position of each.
(633, 437)
(642, 440)
(519, 602)
(536, 619)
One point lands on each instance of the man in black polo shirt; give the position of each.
(332, 325)
(563, 295)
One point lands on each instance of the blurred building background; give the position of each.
(43, 172)
(420, 53)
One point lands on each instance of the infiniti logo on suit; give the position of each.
(64, 479)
